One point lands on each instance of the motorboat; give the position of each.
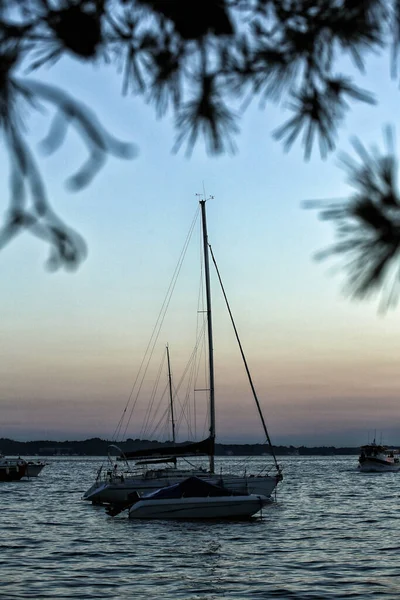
(34, 467)
(12, 469)
(375, 458)
(194, 498)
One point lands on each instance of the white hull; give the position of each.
(374, 467)
(225, 507)
(34, 469)
(117, 491)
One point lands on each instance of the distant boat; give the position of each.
(194, 498)
(34, 467)
(113, 485)
(12, 469)
(375, 458)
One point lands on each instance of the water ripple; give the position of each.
(333, 534)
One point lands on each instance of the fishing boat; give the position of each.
(375, 458)
(12, 469)
(155, 468)
(194, 498)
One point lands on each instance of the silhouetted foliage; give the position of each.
(196, 58)
(368, 224)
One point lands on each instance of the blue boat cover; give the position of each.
(192, 487)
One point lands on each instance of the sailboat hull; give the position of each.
(117, 491)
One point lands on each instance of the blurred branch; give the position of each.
(29, 206)
(193, 60)
(367, 224)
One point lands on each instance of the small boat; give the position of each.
(194, 498)
(12, 469)
(375, 458)
(34, 468)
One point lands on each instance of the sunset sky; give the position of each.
(326, 369)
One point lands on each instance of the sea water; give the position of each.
(332, 533)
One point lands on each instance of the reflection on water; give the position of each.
(332, 533)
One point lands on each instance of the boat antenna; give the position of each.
(209, 325)
(246, 366)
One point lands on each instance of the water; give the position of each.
(333, 533)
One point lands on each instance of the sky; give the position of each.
(325, 368)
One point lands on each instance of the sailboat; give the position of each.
(156, 468)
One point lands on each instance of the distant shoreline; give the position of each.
(99, 447)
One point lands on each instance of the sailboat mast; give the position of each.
(209, 328)
(170, 396)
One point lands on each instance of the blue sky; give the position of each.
(326, 369)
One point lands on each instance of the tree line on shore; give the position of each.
(100, 447)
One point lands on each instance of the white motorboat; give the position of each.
(114, 485)
(194, 498)
(34, 467)
(375, 458)
(227, 507)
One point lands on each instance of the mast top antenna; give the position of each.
(202, 197)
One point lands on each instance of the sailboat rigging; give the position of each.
(115, 488)
(171, 399)
(246, 365)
